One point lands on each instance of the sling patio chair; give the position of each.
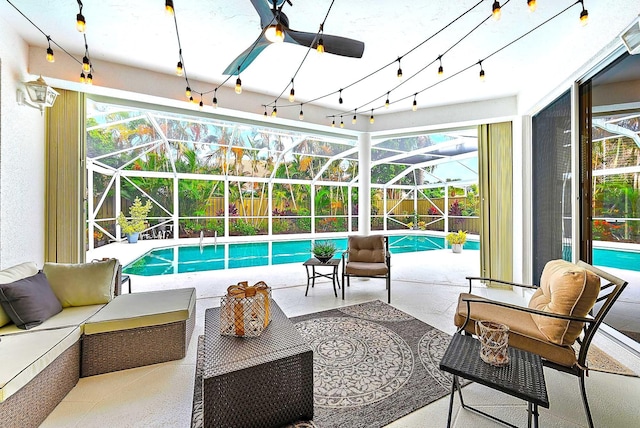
(562, 317)
(367, 257)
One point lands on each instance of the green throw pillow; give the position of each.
(12, 274)
(82, 284)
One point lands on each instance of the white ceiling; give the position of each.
(213, 33)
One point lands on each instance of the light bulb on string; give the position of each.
(333, 123)
(584, 15)
(168, 7)
(89, 79)
(355, 119)
(83, 78)
(414, 106)
(481, 72)
(50, 56)
(274, 112)
(496, 11)
(399, 73)
(440, 68)
(320, 47)
(301, 115)
(191, 100)
(179, 69)
(386, 103)
(86, 66)
(341, 122)
(215, 99)
(532, 4)
(265, 111)
(340, 97)
(201, 104)
(187, 92)
(81, 24)
(292, 93)
(238, 83)
(371, 119)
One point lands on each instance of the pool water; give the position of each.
(192, 258)
(616, 258)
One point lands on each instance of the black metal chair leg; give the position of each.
(585, 401)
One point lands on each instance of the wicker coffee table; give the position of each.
(264, 381)
(523, 377)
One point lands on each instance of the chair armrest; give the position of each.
(499, 281)
(528, 310)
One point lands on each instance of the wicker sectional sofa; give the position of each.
(39, 366)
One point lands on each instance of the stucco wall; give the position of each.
(21, 160)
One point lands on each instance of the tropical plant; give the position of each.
(137, 217)
(323, 249)
(459, 237)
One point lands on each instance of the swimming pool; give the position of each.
(193, 258)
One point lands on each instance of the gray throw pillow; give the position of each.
(29, 301)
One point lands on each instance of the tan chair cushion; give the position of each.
(568, 290)
(523, 332)
(13, 274)
(82, 284)
(366, 269)
(367, 249)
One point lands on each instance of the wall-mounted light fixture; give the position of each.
(40, 94)
(631, 37)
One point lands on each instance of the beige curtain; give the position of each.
(65, 182)
(495, 178)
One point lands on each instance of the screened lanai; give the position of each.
(211, 177)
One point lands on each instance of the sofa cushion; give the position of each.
(72, 316)
(566, 289)
(29, 301)
(12, 274)
(129, 311)
(82, 284)
(367, 249)
(25, 355)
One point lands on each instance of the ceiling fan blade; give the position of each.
(332, 44)
(264, 9)
(245, 58)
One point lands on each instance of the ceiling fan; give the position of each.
(275, 28)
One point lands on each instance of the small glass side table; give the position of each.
(311, 276)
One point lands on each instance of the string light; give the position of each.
(292, 93)
(399, 74)
(238, 83)
(440, 69)
(265, 111)
(179, 70)
(584, 15)
(386, 103)
(89, 79)
(191, 100)
(187, 92)
(496, 11)
(83, 79)
(414, 107)
(355, 119)
(532, 5)
(86, 66)
(333, 123)
(215, 99)
(371, 119)
(81, 23)
(201, 104)
(481, 71)
(274, 112)
(340, 97)
(168, 7)
(341, 122)
(50, 56)
(301, 115)
(320, 45)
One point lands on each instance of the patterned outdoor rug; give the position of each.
(372, 363)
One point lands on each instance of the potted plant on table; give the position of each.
(457, 240)
(323, 250)
(135, 224)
